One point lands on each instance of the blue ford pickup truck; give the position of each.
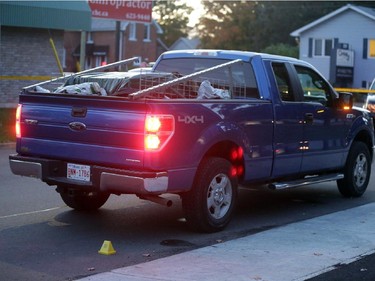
(199, 124)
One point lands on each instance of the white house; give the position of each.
(341, 45)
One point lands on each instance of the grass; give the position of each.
(7, 121)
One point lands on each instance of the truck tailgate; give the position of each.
(85, 129)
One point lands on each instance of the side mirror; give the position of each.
(345, 101)
(370, 103)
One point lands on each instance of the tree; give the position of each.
(226, 24)
(254, 25)
(173, 17)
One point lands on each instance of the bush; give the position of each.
(7, 121)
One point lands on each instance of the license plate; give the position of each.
(78, 172)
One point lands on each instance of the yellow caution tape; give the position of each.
(36, 78)
(364, 91)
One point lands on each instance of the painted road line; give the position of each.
(29, 213)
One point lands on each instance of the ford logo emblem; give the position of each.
(77, 126)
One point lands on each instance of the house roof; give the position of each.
(365, 11)
(184, 43)
(110, 25)
(162, 44)
(65, 15)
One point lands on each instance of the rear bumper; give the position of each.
(105, 179)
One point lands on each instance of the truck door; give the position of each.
(325, 127)
(288, 123)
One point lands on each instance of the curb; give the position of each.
(8, 144)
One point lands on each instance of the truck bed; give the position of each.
(81, 128)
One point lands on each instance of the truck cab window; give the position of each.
(238, 79)
(315, 88)
(283, 82)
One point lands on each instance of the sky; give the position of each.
(197, 12)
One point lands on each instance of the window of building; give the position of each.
(100, 60)
(147, 33)
(371, 48)
(133, 31)
(323, 47)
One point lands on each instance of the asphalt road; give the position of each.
(361, 270)
(42, 239)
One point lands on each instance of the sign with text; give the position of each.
(345, 58)
(121, 10)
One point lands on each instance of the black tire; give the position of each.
(83, 201)
(357, 171)
(210, 204)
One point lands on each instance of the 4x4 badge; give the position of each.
(191, 119)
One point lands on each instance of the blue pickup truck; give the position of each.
(199, 124)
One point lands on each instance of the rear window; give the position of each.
(239, 77)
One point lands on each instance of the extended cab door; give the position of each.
(325, 126)
(288, 121)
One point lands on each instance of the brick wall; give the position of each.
(146, 49)
(25, 52)
(140, 47)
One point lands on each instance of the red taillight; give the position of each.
(152, 142)
(158, 130)
(240, 170)
(18, 121)
(233, 172)
(236, 154)
(236, 171)
(153, 124)
(236, 157)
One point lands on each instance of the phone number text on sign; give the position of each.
(137, 17)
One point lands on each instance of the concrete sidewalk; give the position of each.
(293, 252)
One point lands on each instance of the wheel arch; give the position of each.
(230, 151)
(226, 140)
(365, 137)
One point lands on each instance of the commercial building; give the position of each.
(341, 45)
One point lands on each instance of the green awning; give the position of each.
(65, 15)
